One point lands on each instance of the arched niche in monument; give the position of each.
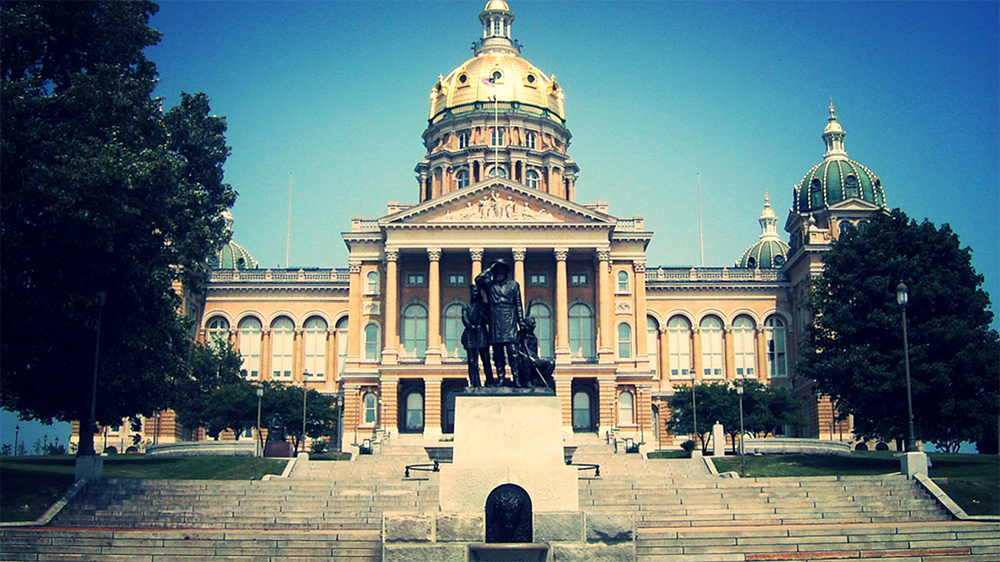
(508, 515)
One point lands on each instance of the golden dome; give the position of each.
(506, 76)
(496, 5)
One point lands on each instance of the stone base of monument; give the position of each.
(508, 494)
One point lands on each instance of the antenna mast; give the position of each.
(701, 227)
(288, 231)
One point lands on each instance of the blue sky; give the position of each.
(337, 95)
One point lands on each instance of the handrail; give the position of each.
(426, 467)
(587, 466)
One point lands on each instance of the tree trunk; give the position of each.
(86, 445)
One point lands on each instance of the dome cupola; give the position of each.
(231, 255)
(770, 251)
(837, 178)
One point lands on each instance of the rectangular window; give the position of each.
(415, 280)
(457, 280)
(578, 280)
(538, 280)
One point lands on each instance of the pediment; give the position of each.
(497, 202)
(854, 204)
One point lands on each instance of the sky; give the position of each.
(331, 99)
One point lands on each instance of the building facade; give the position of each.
(497, 182)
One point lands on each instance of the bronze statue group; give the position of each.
(494, 318)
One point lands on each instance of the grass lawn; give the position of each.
(973, 481)
(29, 485)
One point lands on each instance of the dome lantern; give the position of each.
(770, 251)
(834, 135)
(497, 19)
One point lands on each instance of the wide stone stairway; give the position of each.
(333, 510)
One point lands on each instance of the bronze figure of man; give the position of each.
(505, 315)
(476, 337)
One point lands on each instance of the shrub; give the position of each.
(688, 445)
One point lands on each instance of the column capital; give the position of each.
(266, 331)
(519, 253)
(299, 332)
(561, 253)
(354, 265)
(639, 266)
(603, 254)
(391, 254)
(434, 254)
(476, 254)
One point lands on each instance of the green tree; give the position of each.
(855, 348)
(213, 366)
(103, 194)
(286, 401)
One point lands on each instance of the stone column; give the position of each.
(432, 408)
(639, 282)
(265, 354)
(606, 397)
(606, 307)
(728, 353)
(564, 390)
(763, 374)
(562, 308)
(330, 361)
(354, 313)
(477, 262)
(389, 394)
(696, 353)
(519, 254)
(390, 344)
(433, 356)
(298, 355)
(664, 354)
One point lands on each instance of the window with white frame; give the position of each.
(462, 179)
(579, 279)
(369, 405)
(581, 331)
(315, 347)
(463, 142)
(457, 280)
(774, 331)
(679, 342)
(543, 328)
(744, 347)
(453, 329)
(341, 344)
(624, 341)
(218, 330)
(250, 332)
(372, 283)
(623, 286)
(415, 331)
(626, 408)
(416, 279)
(496, 171)
(496, 137)
(414, 411)
(531, 179)
(711, 347)
(282, 348)
(653, 344)
(373, 342)
(538, 280)
(530, 140)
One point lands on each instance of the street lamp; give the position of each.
(260, 394)
(901, 299)
(101, 297)
(694, 414)
(305, 374)
(17, 430)
(743, 458)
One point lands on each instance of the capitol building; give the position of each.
(498, 181)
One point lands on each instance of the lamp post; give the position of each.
(304, 375)
(17, 430)
(260, 395)
(902, 297)
(101, 297)
(743, 458)
(694, 414)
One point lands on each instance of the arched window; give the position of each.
(846, 226)
(369, 407)
(653, 344)
(453, 329)
(582, 419)
(531, 179)
(415, 331)
(851, 185)
(341, 344)
(711, 347)
(774, 331)
(462, 179)
(626, 408)
(744, 347)
(218, 330)
(315, 344)
(622, 286)
(371, 283)
(250, 330)
(496, 137)
(530, 140)
(463, 141)
(414, 420)
(679, 342)
(543, 328)
(624, 341)
(581, 331)
(498, 171)
(373, 346)
(282, 348)
(816, 193)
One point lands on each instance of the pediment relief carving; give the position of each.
(497, 207)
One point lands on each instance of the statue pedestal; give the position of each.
(508, 439)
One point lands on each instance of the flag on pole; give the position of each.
(491, 83)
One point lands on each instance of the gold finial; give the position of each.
(833, 112)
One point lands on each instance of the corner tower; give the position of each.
(496, 114)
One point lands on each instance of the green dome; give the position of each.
(770, 251)
(837, 178)
(232, 255)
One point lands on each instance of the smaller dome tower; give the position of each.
(231, 255)
(770, 251)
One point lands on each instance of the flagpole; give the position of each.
(701, 228)
(288, 231)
